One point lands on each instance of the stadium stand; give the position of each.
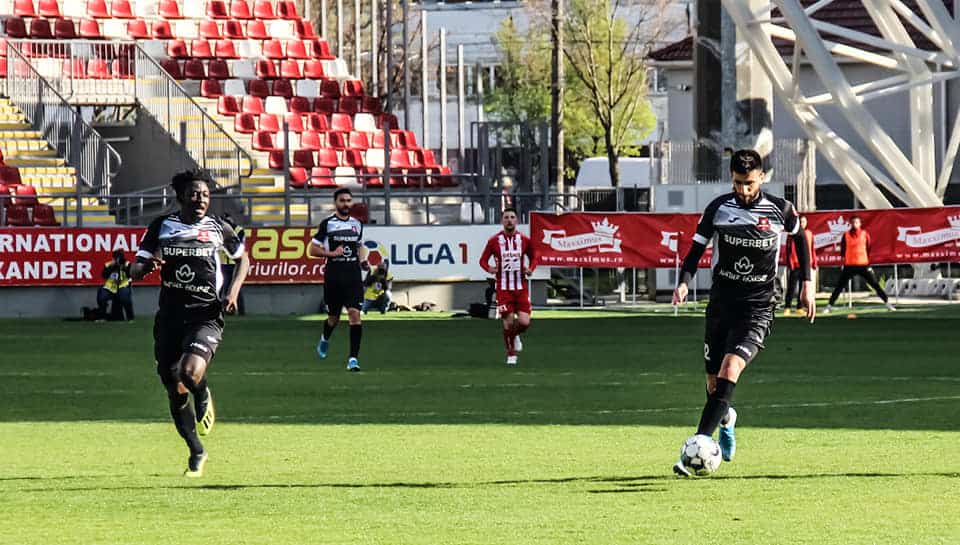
(253, 66)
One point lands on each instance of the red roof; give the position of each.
(849, 14)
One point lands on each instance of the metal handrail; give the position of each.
(188, 122)
(95, 161)
(66, 64)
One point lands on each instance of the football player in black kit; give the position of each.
(338, 238)
(189, 322)
(745, 227)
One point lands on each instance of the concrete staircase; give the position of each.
(41, 168)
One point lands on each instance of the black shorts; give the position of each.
(735, 328)
(174, 336)
(342, 291)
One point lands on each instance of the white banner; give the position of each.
(434, 253)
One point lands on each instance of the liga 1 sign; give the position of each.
(279, 255)
(605, 240)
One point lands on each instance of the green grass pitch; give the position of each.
(848, 434)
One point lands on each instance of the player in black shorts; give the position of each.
(189, 324)
(745, 227)
(338, 239)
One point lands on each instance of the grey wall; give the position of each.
(67, 302)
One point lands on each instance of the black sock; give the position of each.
(717, 406)
(185, 420)
(327, 330)
(356, 331)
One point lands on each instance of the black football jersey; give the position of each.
(333, 233)
(746, 244)
(190, 276)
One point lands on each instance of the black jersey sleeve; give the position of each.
(150, 243)
(320, 237)
(232, 242)
(791, 218)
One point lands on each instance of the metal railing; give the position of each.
(84, 71)
(789, 161)
(47, 111)
(188, 123)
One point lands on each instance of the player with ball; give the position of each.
(745, 227)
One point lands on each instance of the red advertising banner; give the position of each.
(75, 257)
(606, 240)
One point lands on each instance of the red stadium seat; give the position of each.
(352, 158)
(74, 68)
(15, 27)
(218, 69)
(120, 9)
(353, 88)
(268, 122)
(200, 49)
(294, 122)
(210, 88)
(194, 69)
(90, 29)
(225, 49)
(172, 67)
(177, 49)
(290, 69)
(317, 122)
(169, 9)
(24, 8)
(252, 105)
(321, 50)
(408, 139)
(266, 70)
(234, 30)
(330, 88)
(239, 9)
(287, 10)
(273, 49)
(427, 158)
(209, 30)
(302, 158)
(162, 31)
(263, 9)
(326, 106)
(227, 105)
(399, 158)
(313, 69)
(370, 105)
(298, 178)
(296, 49)
(377, 140)
(276, 160)
(341, 122)
(300, 105)
(256, 30)
(327, 157)
(24, 195)
(217, 9)
(48, 8)
(97, 69)
(40, 29)
(137, 30)
(321, 177)
(64, 29)
(349, 105)
(387, 117)
(3, 47)
(263, 141)
(3, 67)
(337, 140)
(359, 140)
(371, 176)
(258, 88)
(43, 216)
(245, 123)
(10, 175)
(310, 140)
(18, 216)
(304, 29)
(97, 9)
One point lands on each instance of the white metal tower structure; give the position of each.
(909, 174)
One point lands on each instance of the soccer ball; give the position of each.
(700, 454)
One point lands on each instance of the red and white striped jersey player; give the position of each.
(508, 249)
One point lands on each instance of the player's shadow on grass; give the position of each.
(625, 484)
